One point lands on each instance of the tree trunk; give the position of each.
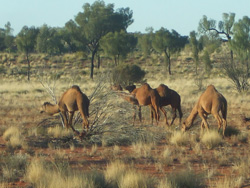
(168, 62)
(92, 64)
(169, 66)
(99, 62)
(28, 62)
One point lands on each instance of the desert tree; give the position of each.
(224, 29)
(145, 41)
(48, 40)
(8, 38)
(240, 43)
(196, 47)
(97, 20)
(118, 44)
(168, 43)
(74, 37)
(26, 42)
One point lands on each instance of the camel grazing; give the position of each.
(145, 96)
(72, 100)
(116, 87)
(132, 100)
(210, 102)
(169, 97)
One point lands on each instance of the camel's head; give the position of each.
(44, 106)
(130, 88)
(185, 126)
(116, 87)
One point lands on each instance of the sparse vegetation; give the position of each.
(211, 139)
(37, 152)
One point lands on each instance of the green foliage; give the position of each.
(207, 61)
(26, 39)
(168, 43)
(97, 20)
(49, 41)
(241, 40)
(127, 74)
(118, 44)
(145, 42)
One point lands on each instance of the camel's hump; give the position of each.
(76, 87)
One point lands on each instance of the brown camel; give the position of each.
(72, 100)
(169, 97)
(145, 96)
(210, 102)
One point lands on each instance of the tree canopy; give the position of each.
(97, 20)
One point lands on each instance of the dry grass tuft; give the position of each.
(59, 132)
(115, 170)
(133, 179)
(229, 182)
(13, 136)
(143, 149)
(179, 138)
(211, 139)
(183, 179)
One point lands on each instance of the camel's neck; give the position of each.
(130, 98)
(52, 109)
(192, 116)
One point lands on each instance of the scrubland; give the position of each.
(35, 151)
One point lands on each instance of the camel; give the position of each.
(169, 97)
(145, 96)
(210, 102)
(72, 100)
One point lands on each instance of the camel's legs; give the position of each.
(65, 119)
(134, 116)
(220, 121)
(165, 114)
(71, 114)
(154, 115)
(139, 113)
(204, 119)
(224, 125)
(174, 115)
(180, 112)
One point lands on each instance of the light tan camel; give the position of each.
(72, 100)
(169, 97)
(210, 102)
(145, 96)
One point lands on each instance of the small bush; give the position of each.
(211, 139)
(127, 74)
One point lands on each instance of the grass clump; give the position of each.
(59, 132)
(48, 175)
(211, 139)
(187, 179)
(179, 138)
(13, 136)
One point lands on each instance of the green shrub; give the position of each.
(127, 74)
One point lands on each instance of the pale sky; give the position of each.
(180, 15)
